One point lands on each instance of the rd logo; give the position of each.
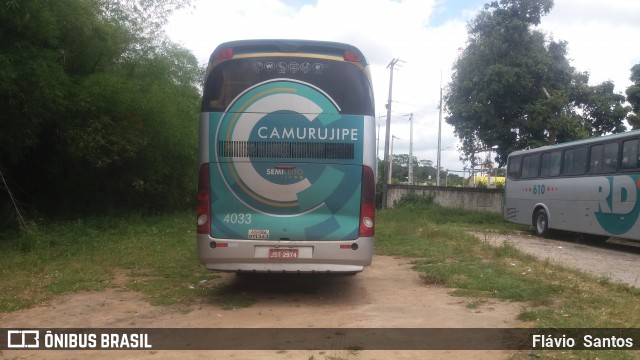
(617, 203)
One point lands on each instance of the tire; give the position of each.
(541, 223)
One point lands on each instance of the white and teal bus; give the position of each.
(588, 186)
(287, 158)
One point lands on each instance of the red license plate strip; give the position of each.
(283, 253)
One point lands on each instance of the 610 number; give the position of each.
(538, 189)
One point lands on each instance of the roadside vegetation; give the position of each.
(156, 256)
(99, 110)
(552, 296)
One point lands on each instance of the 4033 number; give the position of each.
(235, 218)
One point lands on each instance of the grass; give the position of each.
(551, 296)
(156, 255)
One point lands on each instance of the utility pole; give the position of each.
(410, 149)
(391, 159)
(378, 147)
(439, 133)
(378, 139)
(387, 168)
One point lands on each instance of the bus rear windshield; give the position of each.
(344, 82)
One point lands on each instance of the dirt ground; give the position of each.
(387, 294)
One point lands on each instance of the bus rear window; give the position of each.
(344, 82)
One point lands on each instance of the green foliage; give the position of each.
(99, 108)
(403, 159)
(412, 199)
(514, 89)
(602, 109)
(151, 254)
(633, 97)
(424, 172)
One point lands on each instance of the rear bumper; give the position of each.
(319, 256)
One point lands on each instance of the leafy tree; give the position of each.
(633, 97)
(403, 159)
(602, 109)
(514, 89)
(99, 108)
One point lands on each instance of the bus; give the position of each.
(286, 158)
(588, 186)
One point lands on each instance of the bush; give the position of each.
(414, 199)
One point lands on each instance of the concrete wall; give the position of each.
(468, 198)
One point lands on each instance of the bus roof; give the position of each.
(578, 142)
(289, 46)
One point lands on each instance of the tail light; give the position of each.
(204, 204)
(367, 203)
(223, 54)
(351, 56)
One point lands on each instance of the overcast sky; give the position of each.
(602, 36)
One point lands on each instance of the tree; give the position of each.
(403, 159)
(514, 89)
(602, 109)
(633, 97)
(426, 163)
(99, 108)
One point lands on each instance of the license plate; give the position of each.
(283, 253)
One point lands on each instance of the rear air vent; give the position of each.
(286, 150)
(512, 213)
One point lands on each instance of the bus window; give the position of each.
(342, 81)
(530, 166)
(550, 165)
(575, 161)
(595, 162)
(514, 167)
(610, 158)
(629, 154)
(604, 158)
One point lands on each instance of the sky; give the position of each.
(427, 35)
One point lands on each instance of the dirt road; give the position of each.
(388, 294)
(615, 259)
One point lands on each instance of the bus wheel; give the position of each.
(541, 223)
